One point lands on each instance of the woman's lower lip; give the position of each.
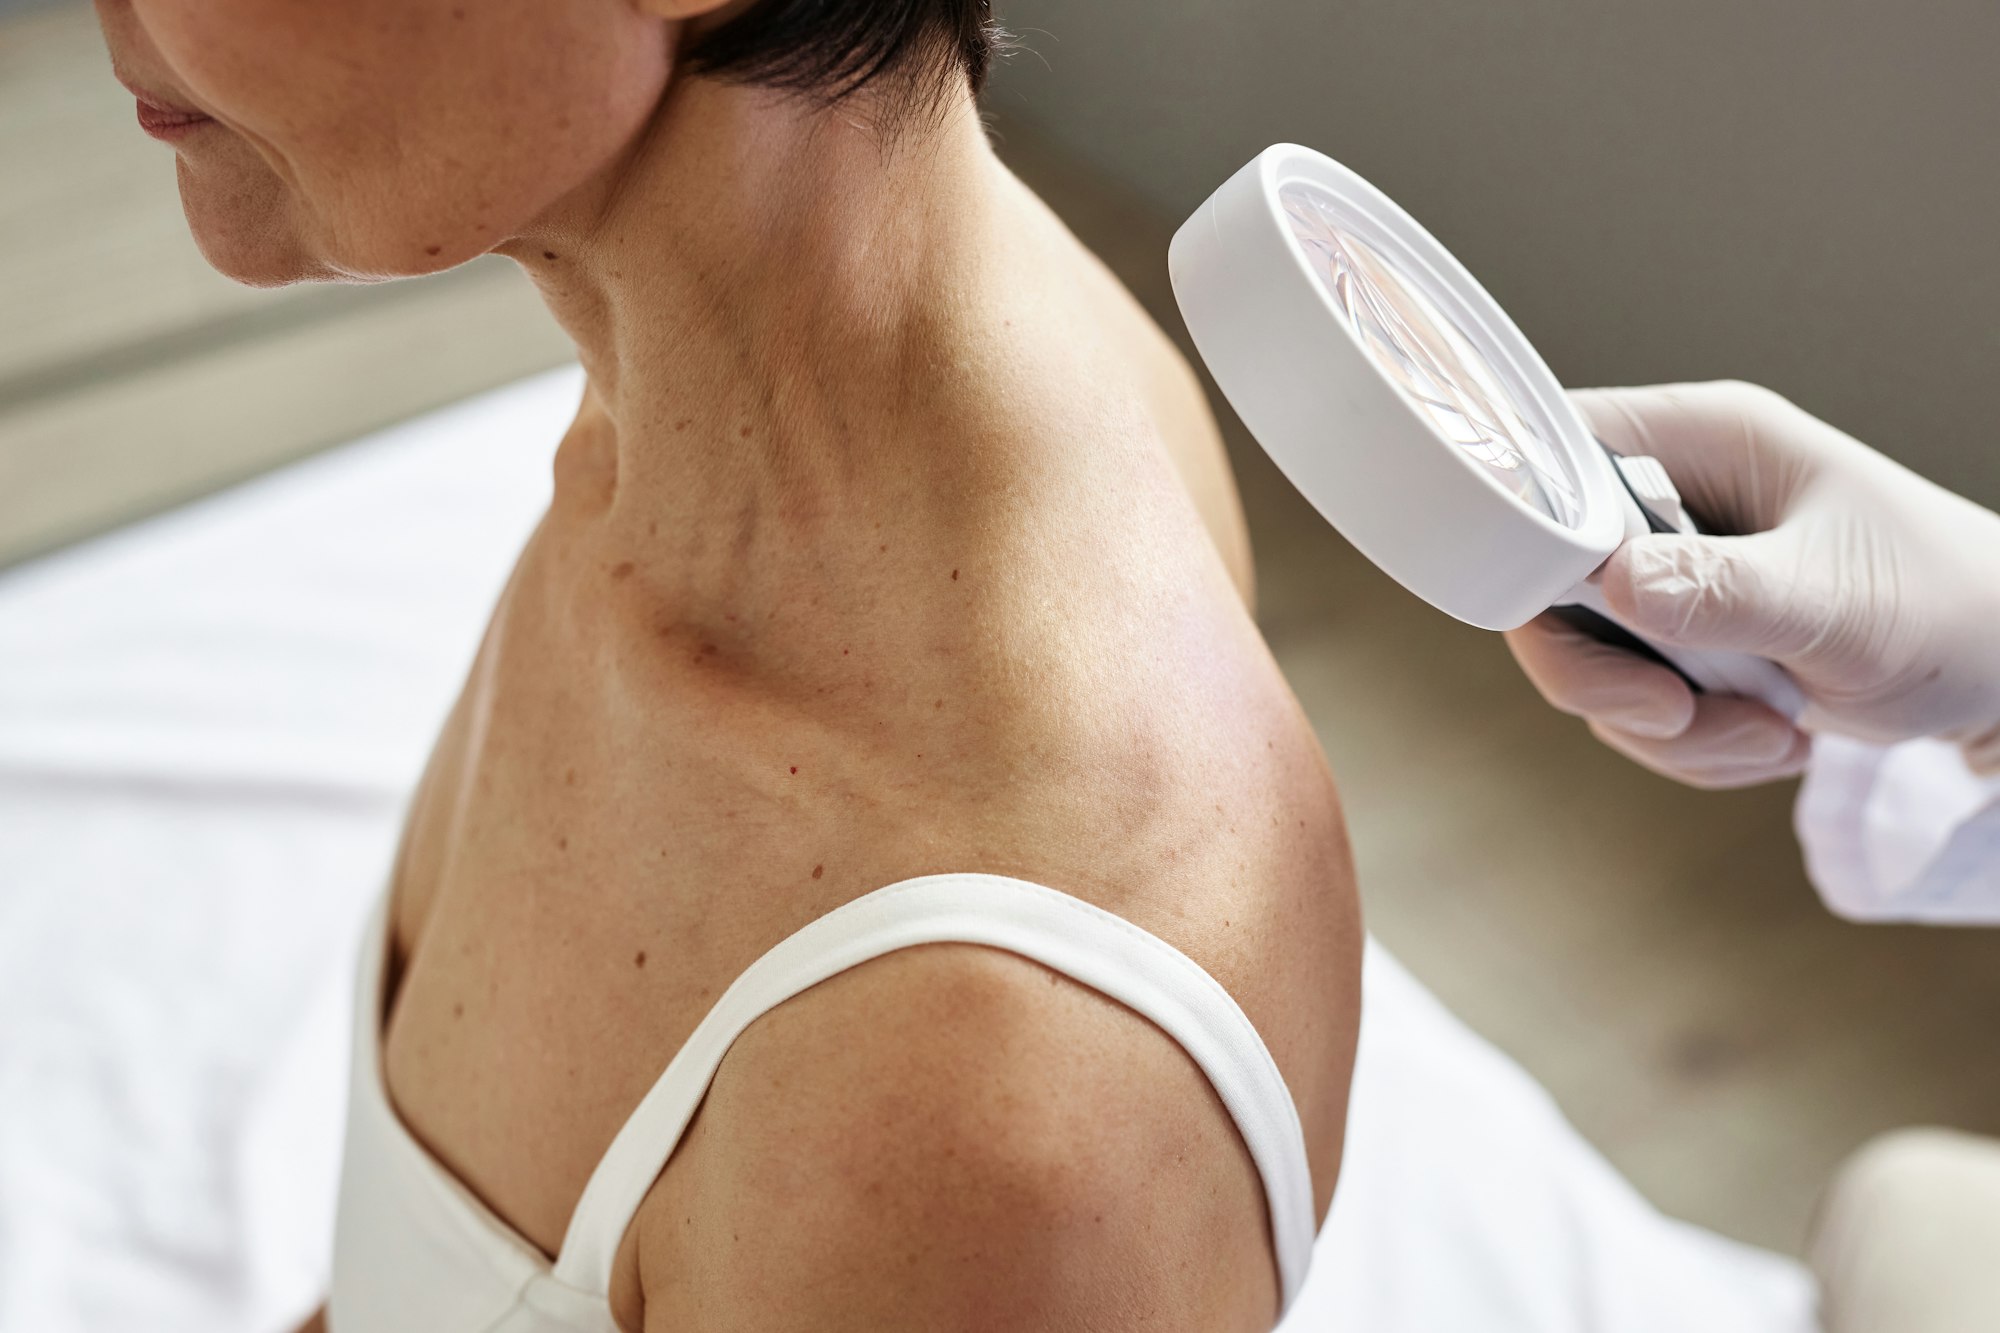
(162, 123)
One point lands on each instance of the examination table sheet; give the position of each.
(209, 723)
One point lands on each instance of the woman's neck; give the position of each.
(775, 305)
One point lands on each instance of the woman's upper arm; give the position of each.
(955, 1138)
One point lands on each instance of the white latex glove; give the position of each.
(1878, 590)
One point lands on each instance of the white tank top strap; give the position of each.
(1067, 935)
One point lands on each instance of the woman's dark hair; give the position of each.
(832, 49)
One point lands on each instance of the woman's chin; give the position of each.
(246, 227)
(252, 230)
(261, 265)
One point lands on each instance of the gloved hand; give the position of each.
(1878, 590)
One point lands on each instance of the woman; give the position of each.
(890, 541)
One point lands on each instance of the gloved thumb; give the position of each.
(1733, 593)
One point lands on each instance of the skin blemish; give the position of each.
(622, 570)
(433, 249)
(745, 432)
(795, 768)
(938, 704)
(883, 548)
(843, 652)
(708, 650)
(548, 254)
(569, 778)
(458, 1011)
(562, 844)
(653, 529)
(954, 576)
(730, 617)
(818, 871)
(458, 12)
(639, 958)
(682, 424)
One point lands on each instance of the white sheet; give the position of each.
(208, 724)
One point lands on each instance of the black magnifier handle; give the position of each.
(1608, 631)
(1602, 627)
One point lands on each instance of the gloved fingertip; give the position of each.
(1634, 581)
(1770, 740)
(1658, 586)
(1660, 721)
(1982, 753)
(1609, 420)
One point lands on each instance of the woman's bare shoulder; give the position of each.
(951, 1137)
(1168, 386)
(956, 1137)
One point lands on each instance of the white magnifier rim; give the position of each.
(1360, 446)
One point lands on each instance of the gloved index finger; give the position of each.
(1733, 475)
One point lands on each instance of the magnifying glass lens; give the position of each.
(1424, 353)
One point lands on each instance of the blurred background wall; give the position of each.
(1803, 193)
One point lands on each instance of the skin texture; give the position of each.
(890, 538)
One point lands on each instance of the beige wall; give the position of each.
(1803, 193)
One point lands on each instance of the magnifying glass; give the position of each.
(1407, 408)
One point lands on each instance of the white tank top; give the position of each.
(416, 1252)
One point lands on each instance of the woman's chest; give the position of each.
(568, 904)
(577, 886)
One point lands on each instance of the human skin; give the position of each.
(890, 538)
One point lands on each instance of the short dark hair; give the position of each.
(832, 49)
